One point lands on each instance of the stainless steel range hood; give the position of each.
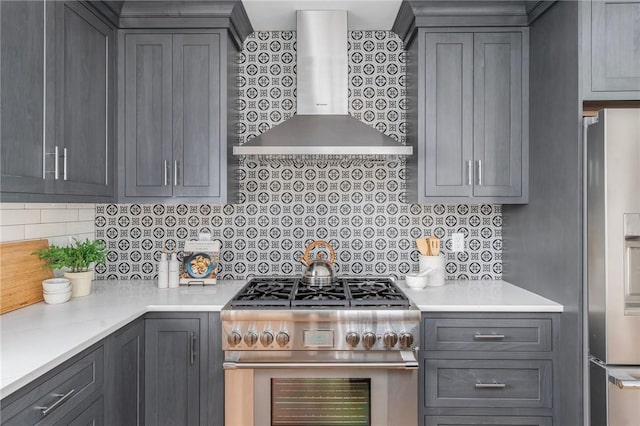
(322, 127)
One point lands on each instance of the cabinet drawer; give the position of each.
(479, 334)
(488, 383)
(60, 393)
(486, 421)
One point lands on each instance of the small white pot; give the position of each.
(80, 282)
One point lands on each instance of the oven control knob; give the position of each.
(353, 339)
(390, 339)
(406, 340)
(234, 338)
(282, 338)
(250, 338)
(368, 340)
(266, 338)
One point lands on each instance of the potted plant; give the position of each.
(77, 260)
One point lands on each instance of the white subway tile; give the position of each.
(11, 233)
(86, 214)
(63, 240)
(55, 216)
(83, 237)
(81, 206)
(46, 205)
(44, 230)
(80, 227)
(19, 217)
(11, 206)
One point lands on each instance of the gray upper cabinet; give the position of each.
(57, 110)
(22, 102)
(84, 112)
(612, 50)
(497, 122)
(468, 116)
(175, 118)
(148, 138)
(448, 123)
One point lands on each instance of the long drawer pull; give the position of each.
(490, 385)
(488, 337)
(62, 397)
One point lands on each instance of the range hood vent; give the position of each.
(322, 129)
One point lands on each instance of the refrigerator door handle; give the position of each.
(624, 380)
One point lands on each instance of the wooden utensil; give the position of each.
(434, 246)
(423, 246)
(21, 274)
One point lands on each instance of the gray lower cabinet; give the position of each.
(57, 82)
(69, 394)
(93, 415)
(612, 50)
(176, 369)
(486, 421)
(124, 388)
(175, 122)
(487, 369)
(467, 95)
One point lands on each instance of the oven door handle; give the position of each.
(408, 365)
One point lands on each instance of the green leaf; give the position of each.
(77, 257)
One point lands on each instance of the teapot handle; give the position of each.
(318, 243)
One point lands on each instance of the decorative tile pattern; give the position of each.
(359, 209)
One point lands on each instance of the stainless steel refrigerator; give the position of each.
(613, 266)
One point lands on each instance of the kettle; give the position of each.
(319, 271)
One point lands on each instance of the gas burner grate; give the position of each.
(327, 295)
(378, 292)
(265, 292)
(287, 292)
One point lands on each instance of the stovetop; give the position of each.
(293, 293)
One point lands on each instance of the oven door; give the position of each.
(321, 388)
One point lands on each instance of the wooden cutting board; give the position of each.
(21, 274)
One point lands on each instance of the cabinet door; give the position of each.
(83, 116)
(173, 373)
(148, 104)
(197, 165)
(93, 415)
(125, 390)
(449, 114)
(497, 139)
(615, 48)
(22, 86)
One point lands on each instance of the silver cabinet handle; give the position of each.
(490, 385)
(479, 172)
(192, 348)
(409, 365)
(61, 399)
(488, 337)
(469, 173)
(175, 172)
(64, 164)
(165, 173)
(624, 380)
(56, 171)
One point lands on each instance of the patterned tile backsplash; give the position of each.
(359, 209)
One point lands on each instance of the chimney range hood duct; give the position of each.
(322, 127)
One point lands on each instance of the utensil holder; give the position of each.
(435, 278)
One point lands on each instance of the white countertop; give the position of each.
(39, 337)
(479, 296)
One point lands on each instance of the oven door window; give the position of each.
(320, 401)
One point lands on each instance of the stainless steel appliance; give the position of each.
(613, 266)
(332, 354)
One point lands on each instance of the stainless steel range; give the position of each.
(303, 354)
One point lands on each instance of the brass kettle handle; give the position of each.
(318, 243)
